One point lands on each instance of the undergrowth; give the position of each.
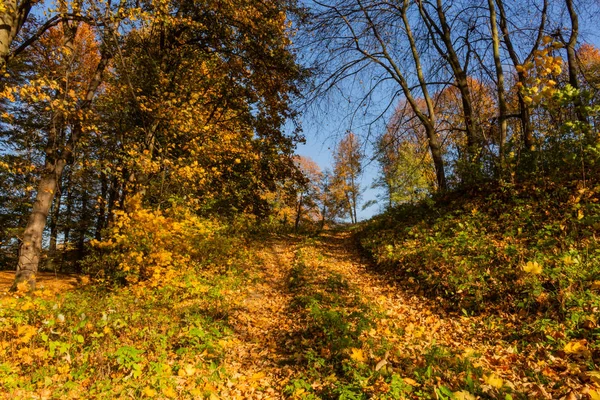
(163, 334)
(530, 251)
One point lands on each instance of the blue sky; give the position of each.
(322, 131)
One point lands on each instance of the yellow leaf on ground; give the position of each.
(257, 376)
(575, 347)
(189, 369)
(493, 381)
(410, 382)
(25, 333)
(594, 376)
(358, 355)
(169, 392)
(463, 395)
(594, 394)
(148, 391)
(532, 267)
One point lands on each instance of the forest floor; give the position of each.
(309, 319)
(49, 280)
(319, 322)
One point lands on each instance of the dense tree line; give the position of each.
(170, 101)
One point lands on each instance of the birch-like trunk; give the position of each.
(502, 107)
(30, 251)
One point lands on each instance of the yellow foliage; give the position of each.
(494, 381)
(149, 392)
(575, 347)
(532, 267)
(539, 85)
(169, 392)
(151, 246)
(463, 395)
(25, 333)
(357, 355)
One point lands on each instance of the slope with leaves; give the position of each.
(305, 317)
(521, 262)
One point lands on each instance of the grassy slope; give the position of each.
(487, 294)
(526, 258)
(124, 342)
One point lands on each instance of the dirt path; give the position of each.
(319, 322)
(312, 319)
(283, 334)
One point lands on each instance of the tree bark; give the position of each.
(298, 213)
(57, 157)
(435, 148)
(434, 141)
(572, 60)
(30, 251)
(54, 221)
(11, 22)
(102, 201)
(524, 114)
(448, 52)
(502, 107)
(83, 224)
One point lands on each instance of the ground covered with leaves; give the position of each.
(497, 298)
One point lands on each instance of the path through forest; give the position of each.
(317, 317)
(305, 318)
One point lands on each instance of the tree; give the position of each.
(522, 55)
(406, 168)
(347, 169)
(309, 192)
(363, 38)
(67, 88)
(189, 110)
(445, 41)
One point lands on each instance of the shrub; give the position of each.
(152, 246)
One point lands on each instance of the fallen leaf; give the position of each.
(532, 267)
(575, 347)
(493, 381)
(358, 355)
(410, 382)
(463, 395)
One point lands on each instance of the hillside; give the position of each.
(486, 294)
(522, 261)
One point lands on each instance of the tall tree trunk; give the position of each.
(572, 60)
(54, 221)
(30, 251)
(502, 108)
(352, 198)
(57, 157)
(83, 224)
(113, 198)
(298, 213)
(441, 29)
(429, 123)
(396, 73)
(524, 113)
(11, 22)
(435, 149)
(102, 201)
(68, 211)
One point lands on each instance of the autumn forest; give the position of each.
(164, 233)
